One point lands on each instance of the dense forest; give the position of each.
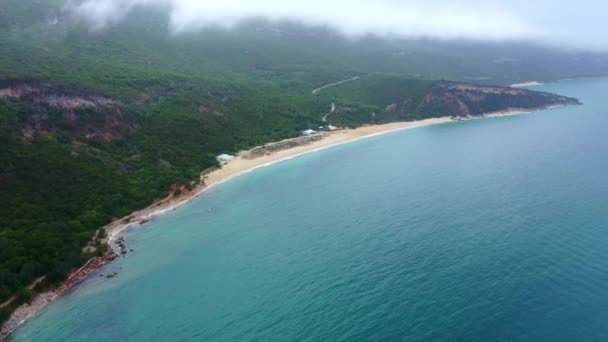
(96, 124)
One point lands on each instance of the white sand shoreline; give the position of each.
(525, 84)
(113, 232)
(238, 167)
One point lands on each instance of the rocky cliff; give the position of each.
(463, 99)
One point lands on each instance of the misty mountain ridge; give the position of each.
(291, 54)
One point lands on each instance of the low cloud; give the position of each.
(101, 13)
(554, 21)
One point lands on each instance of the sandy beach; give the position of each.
(243, 163)
(525, 84)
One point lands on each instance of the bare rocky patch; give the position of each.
(56, 96)
(66, 109)
(464, 99)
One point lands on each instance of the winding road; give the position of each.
(316, 91)
(333, 109)
(333, 105)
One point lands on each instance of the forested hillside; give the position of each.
(95, 124)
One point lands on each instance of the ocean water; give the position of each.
(486, 230)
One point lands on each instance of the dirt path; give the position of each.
(316, 91)
(333, 109)
(29, 287)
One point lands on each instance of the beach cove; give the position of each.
(241, 166)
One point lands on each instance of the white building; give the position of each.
(224, 158)
(309, 132)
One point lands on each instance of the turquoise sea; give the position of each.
(485, 230)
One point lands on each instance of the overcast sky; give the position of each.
(580, 23)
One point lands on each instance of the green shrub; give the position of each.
(23, 295)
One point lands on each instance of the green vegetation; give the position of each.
(357, 100)
(175, 102)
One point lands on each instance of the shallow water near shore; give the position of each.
(493, 229)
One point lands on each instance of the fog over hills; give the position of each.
(561, 22)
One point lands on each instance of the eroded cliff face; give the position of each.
(462, 99)
(56, 109)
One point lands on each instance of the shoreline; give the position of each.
(241, 165)
(525, 84)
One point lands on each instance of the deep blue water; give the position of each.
(486, 230)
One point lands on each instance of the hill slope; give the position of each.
(96, 124)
